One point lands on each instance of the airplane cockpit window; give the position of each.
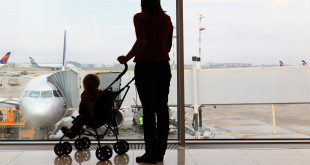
(34, 94)
(46, 94)
(26, 93)
(59, 93)
(56, 94)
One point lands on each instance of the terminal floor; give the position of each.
(252, 155)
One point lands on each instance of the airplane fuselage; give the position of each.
(41, 102)
(3, 65)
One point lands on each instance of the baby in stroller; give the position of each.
(97, 109)
(91, 83)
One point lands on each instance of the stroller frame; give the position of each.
(102, 152)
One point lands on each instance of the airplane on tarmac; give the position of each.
(304, 63)
(47, 66)
(281, 63)
(4, 60)
(41, 102)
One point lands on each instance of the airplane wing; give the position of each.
(10, 101)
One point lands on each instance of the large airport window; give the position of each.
(246, 69)
(37, 36)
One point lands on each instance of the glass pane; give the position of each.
(92, 34)
(246, 69)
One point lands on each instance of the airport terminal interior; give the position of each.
(239, 92)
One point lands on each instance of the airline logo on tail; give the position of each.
(5, 58)
(33, 62)
(281, 63)
(304, 63)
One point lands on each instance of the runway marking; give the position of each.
(303, 137)
(237, 134)
(275, 135)
(274, 120)
(303, 129)
(56, 127)
(236, 126)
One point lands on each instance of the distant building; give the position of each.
(74, 63)
(227, 65)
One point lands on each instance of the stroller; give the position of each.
(103, 112)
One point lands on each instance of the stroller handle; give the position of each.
(120, 75)
(123, 72)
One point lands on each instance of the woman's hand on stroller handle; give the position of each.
(122, 59)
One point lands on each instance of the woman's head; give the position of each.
(91, 81)
(152, 6)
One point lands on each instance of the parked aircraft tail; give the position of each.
(64, 59)
(281, 63)
(304, 63)
(33, 62)
(5, 58)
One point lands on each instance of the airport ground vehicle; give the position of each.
(13, 82)
(104, 113)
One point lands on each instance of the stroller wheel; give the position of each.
(59, 149)
(120, 147)
(78, 144)
(67, 148)
(86, 142)
(104, 153)
(126, 144)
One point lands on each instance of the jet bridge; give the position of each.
(69, 83)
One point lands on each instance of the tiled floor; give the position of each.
(173, 157)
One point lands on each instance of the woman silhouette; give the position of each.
(152, 75)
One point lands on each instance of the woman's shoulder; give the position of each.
(141, 14)
(167, 16)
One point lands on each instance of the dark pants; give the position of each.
(153, 82)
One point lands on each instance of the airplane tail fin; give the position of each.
(5, 58)
(281, 63)
(64, 59)
(33, 62)
(304, 63)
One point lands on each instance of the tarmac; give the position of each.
(257, 121)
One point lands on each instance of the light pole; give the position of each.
(200, 29)
(173, 63)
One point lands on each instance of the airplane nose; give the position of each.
(43, 112)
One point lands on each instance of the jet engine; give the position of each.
(120, 118)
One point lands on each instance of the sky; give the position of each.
(98, 31)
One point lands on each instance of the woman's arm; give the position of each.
(169, 41)
(140, 42)
(136, 49)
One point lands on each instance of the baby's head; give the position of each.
(91, 81)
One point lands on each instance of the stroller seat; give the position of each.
(102, 112)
